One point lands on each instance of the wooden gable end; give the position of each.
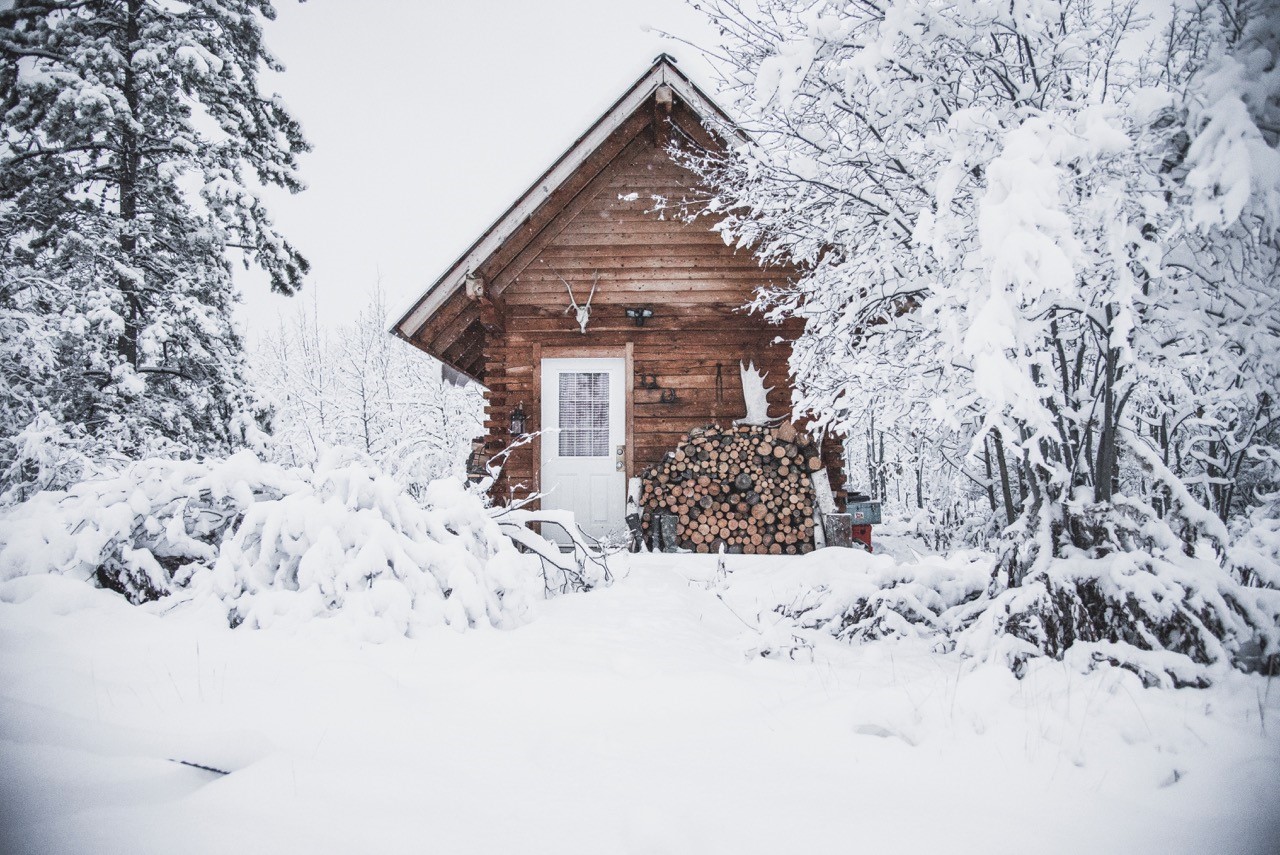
(625, 234)
(684, 361)
(454, 332)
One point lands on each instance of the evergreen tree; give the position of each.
(133, 140)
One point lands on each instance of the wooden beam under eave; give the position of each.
(493, 315)
(492, 309)
(475, 361)
(464, 350)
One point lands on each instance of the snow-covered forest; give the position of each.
(354, 386)
(254, 593)
(1041, 288)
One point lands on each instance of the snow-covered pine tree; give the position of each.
(1043, 234)
(133, 140)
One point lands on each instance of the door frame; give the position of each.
(625, 352)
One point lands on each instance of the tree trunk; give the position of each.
(128, 183)
(920, 478)
(1006, 488)
(1105, 470)
(991, 486)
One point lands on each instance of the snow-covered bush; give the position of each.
(143, 531)
(1254, 557)
(43, 455)
(884, 598)
(1171, 619)
(271, 545)
(856, 596)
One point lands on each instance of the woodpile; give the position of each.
(746, 488)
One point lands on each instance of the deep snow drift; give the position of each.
(641, 718)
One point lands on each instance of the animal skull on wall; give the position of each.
(581, 313)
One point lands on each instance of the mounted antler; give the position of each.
(582, 313)
(756, 396)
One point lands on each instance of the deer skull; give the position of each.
(581, 313)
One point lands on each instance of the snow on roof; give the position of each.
(663, 71)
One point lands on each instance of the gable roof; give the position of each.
(662, 72)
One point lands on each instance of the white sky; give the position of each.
(429, 118)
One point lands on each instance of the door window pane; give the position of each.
(584, 414)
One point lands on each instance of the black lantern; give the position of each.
(517, 420)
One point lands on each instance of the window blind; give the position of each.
(584, 414)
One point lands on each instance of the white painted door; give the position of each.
(584, 424)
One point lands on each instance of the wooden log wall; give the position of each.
(684, 361)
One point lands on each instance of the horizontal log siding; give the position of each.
(696, 286)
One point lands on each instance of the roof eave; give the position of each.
(663, 71)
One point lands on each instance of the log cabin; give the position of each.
(611, 331)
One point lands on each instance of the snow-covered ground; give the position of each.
(632, 719)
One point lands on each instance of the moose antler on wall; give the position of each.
(756, 396)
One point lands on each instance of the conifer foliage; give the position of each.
(134, 140)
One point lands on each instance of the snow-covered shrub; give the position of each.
(889, 599)
(271, 545)
(143, 531)
(1170, 619)
(856, 596)
(1168, 610)
(352, 541)
(1254, 556)
(583, 567)
(43, 455)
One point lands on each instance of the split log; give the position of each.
(747, 489)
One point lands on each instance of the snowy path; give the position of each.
(627, 720)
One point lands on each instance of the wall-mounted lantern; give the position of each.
(518, 420)
(639, 314)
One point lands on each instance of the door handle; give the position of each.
(620, 463)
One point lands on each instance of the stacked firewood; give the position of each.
(745, 488)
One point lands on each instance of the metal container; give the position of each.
(864, 513)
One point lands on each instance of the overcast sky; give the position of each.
(429, 118)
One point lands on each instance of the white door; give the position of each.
(584, 431)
